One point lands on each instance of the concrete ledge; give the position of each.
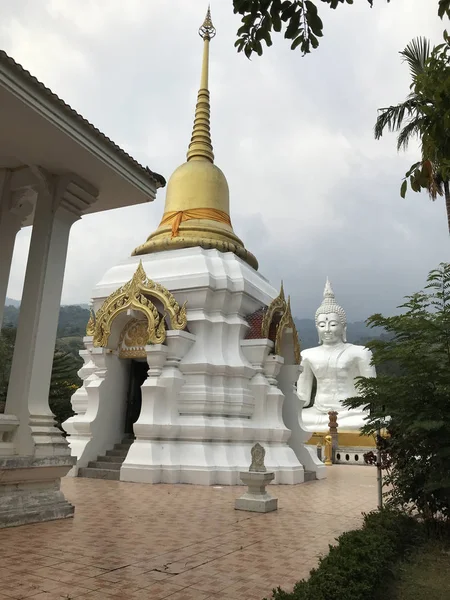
(30, 489)
(352, 455)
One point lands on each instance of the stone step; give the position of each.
(122, 453)
(99, 464)
(111, 459)
(128, 440)
(99, 473)
(122, 447)
(310, 476)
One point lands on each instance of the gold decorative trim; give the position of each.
(278, 305)
(133, 295)
(137, 353)
(176, 313)
(133, 338)
(90, 325)
(287, 322)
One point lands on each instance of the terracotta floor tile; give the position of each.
(190, 594)
(156, 591)
(25, 585)
(148, 542)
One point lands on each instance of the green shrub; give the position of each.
(360, 561)
(413, 402)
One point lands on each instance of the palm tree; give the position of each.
(411, 118)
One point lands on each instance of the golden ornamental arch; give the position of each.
(287, 322)
(281, 310)
(137, 295)
(276, 307)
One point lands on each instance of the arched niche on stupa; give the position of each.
(135, 315)
(275, 323)
(287, 343)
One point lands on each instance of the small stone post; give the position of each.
(256, 499)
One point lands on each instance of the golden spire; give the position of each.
(200, 147)
(197, 211)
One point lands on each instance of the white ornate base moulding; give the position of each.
(210, 391)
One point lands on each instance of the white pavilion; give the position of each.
(55, 167)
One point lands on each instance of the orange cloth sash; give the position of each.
(177, 217)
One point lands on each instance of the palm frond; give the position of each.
(416, 55)
(392, 117)
(413, 128)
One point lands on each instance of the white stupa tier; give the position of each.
(212, 390)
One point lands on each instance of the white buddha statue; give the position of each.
(334, 364)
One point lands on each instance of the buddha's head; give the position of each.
(331, 321)
(330, 328)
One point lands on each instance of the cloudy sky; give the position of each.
(312, 193)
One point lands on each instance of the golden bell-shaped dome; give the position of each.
(197, 208)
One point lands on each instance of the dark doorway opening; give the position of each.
(138, 374)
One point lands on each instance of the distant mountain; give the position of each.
(72, 320)
(16, 303)
(11, 302)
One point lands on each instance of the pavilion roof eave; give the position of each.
(38, 127)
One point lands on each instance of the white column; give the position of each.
(13, 209)
(56, 210)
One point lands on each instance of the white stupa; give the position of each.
(190, 352)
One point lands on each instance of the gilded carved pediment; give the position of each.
(139, 294)
(286, 323)
(277, 319)
(275, 310)
(133, 339)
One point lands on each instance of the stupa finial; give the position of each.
(200, 147)
(207, 30)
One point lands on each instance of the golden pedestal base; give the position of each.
(345, 439)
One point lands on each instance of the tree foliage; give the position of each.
(64, 383)
(64, 380)
(414, 402)
(299, 19)
(7, 339)
(425, 114)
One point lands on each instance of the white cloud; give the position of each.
(312, 193)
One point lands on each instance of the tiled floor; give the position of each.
(134, 541)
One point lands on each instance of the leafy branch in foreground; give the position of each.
(299, 19)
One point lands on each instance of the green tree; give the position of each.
(299, 18)
(413, 402)
(64, 379)
(7, 339)
(425, 115)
